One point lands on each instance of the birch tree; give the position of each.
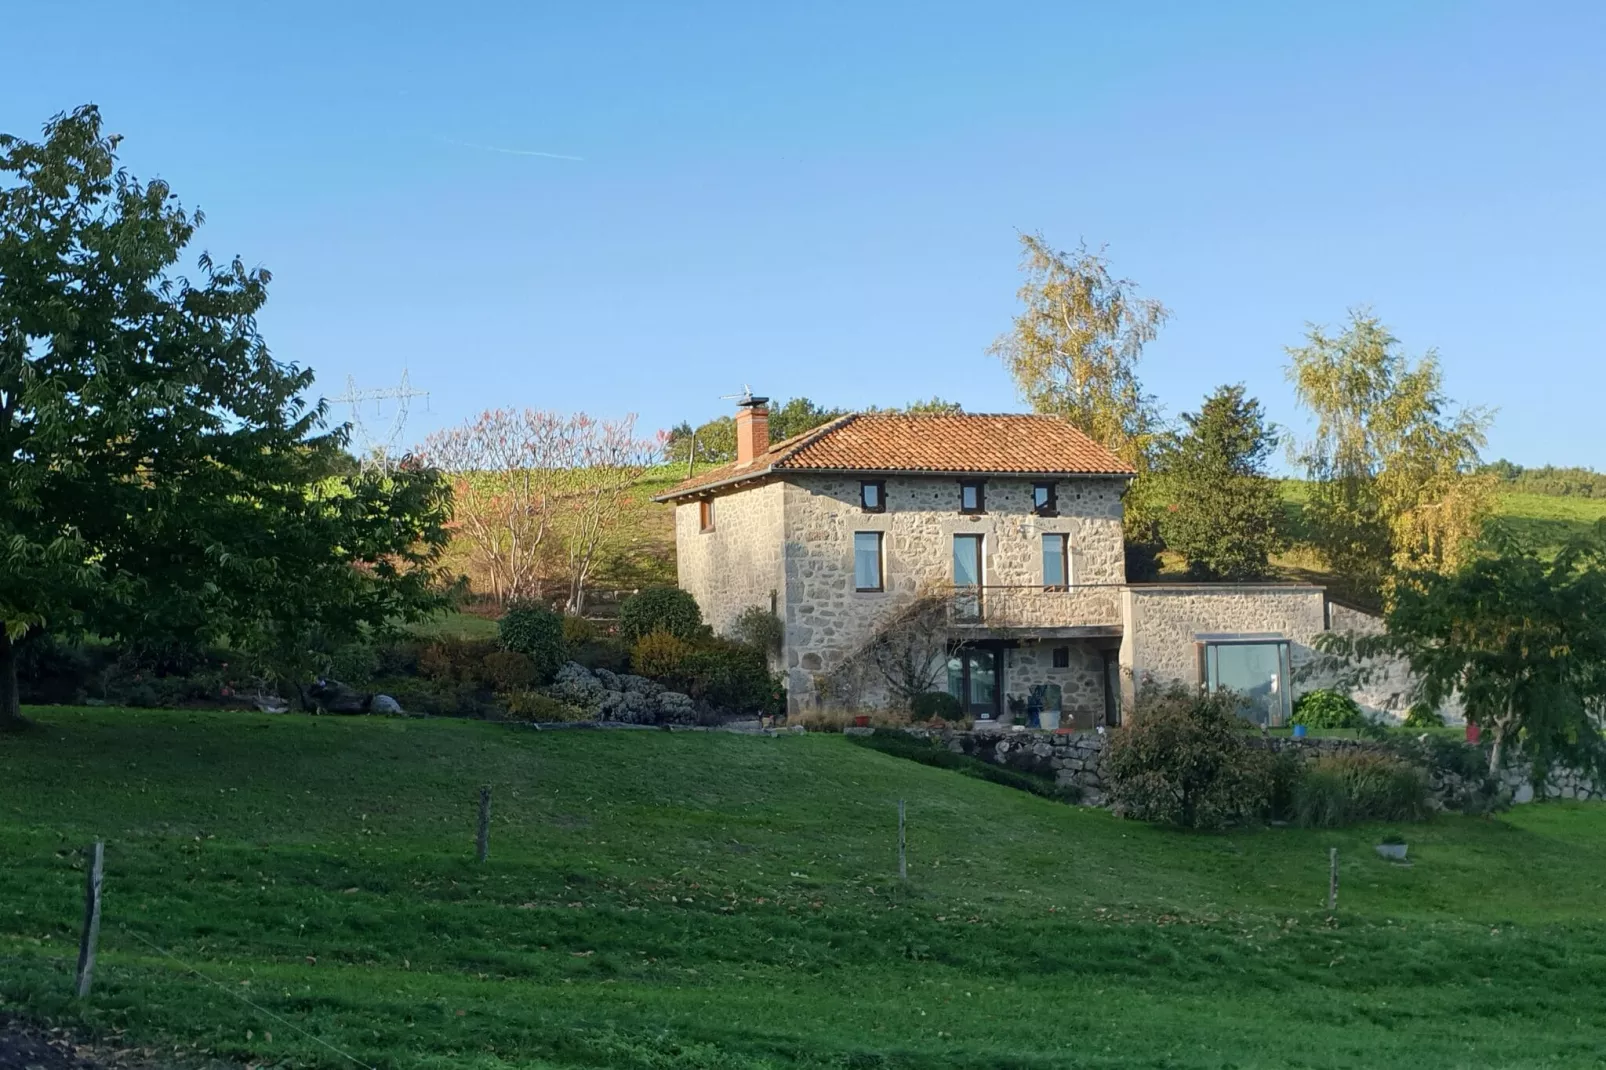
(1393, 465)
(1073, 350)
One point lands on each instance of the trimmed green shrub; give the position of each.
(531, 629)
(604, 653)
(732, 676)
(1183, 760)
(1421, 715)
(936, 705)
(354, 664)
(930, 752)
(508, 670)
(660, 609)
(577, 631)
(759, 629)
(455, 660)
(1343, 789)
(659, 655)
(1328, 709)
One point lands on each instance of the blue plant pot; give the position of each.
(1299, 731)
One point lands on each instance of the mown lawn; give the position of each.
(659, 900)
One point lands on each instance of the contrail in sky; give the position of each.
(513, 152)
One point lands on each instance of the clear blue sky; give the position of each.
(823, 199)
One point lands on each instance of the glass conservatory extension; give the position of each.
(1255, 668)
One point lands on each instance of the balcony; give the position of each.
(1035, 611)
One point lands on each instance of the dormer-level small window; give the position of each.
(972, 497)
(1043, 500)
(705, 515)
(873, 496)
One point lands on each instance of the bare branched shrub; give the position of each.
(537, 490)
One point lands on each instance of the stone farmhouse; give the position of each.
(1016, 520)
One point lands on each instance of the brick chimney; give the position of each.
(752, 429)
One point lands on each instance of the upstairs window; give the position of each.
(705, 515)
(867, 564)
(1043, 500)
(973, 497)
(1056, 562)
(873, 496)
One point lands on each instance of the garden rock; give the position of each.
(386, 704)
(332, 696)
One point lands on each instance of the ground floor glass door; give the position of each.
(973, 680)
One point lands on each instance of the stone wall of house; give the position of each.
(827, 620)
(739, 563)
(1076, 758)
(1081, 683)
(1163, 621)
(1380, 685)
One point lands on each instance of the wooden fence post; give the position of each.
(86, 945)
(903, 858)
(1332, 879)
(483, 843)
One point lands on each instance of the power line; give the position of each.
(380, 450)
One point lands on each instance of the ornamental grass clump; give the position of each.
(1346, 789)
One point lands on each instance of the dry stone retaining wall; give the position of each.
(1076, 759)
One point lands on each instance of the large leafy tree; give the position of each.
(1073, 350)
(161, 479)
(1221, 511)
(1520, 639)
(1394, 463)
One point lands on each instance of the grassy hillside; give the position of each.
(1543, 520)
(682, 901)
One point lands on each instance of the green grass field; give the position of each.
(695, 900)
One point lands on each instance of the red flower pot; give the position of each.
(861, 720)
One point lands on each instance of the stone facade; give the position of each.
(787, 543)
(1081, 682)
(738, 564)
(1163, 622)
(826, 620)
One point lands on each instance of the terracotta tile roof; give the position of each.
(958, 443)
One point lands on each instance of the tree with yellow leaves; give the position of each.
(1073, 351)
(1393, 464)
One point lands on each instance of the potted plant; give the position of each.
(1015, 711)
(861, 720)
(1392, 848)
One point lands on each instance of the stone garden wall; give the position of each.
(1076, 758)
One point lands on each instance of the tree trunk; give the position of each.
(10, 701)
(1497, 753)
